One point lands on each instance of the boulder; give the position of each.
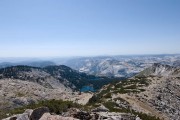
(138, 118)
(23, 116)
(12, 118)
(38, 113)
(48, 116)
(83, 115)
(29, 112)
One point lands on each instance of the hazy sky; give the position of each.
(39, 28)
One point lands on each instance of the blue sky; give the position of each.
(45, 28)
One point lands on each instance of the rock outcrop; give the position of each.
(48, 116)
(24, 116)
(38, 113)
(73, 114)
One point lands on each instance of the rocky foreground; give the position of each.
(101, 113)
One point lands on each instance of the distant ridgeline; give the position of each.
(67, 76)
(26, 63)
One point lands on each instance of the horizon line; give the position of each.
(79, 56)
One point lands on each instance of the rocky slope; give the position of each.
(155, 91)
(15, 93)
(76, 79)
(22, 85)
(161, 70)
(53, 76)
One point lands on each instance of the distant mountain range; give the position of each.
(108, 66)
(120, 66)
(27, 63)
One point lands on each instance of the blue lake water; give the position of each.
(87, 88)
